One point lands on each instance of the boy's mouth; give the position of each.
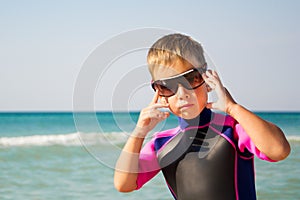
(185, 106)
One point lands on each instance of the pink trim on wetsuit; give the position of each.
(245, 142)
(148, 163)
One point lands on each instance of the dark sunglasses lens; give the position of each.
(165, 89)
(192, 80)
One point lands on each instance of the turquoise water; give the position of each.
(48, 156)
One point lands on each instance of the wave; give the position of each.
(293, 138)
(71, 139)
(77, 139)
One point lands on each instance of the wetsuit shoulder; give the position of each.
(161, 138)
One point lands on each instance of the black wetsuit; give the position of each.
(210, 157)
(204, 171)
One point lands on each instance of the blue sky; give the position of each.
(254, 45)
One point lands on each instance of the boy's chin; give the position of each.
(189, 115)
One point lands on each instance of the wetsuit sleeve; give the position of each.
(245, 143)
(148, 164)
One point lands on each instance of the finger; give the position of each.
(209, 71)
(204, 76)
(157, 116)
(213, 78)
(207, 77)
(210, 76)
(209, 82)
(164, 109)
(155, 98)
(214, 73)
(160, 115)
(160, 105)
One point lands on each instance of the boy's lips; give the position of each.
(185, 106)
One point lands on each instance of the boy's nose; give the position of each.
(182, 93)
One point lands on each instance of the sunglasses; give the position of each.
(190, 80)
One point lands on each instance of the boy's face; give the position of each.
(185, 103)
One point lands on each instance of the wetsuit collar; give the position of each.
(202, 119)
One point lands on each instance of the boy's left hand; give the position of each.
(225, 101)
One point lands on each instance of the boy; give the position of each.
(209, 155)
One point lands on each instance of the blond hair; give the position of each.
(175, 48)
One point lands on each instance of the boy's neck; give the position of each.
(202, 119)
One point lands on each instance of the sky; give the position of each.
(45, 46)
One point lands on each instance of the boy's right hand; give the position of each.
(151, 116)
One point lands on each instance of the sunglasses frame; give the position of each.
(179, 76)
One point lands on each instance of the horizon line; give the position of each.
(123, 111)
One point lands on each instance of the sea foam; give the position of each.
(77, 139)
(71, 139)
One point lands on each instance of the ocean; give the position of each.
(71, 156)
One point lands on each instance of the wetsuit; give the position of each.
(209, 157)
